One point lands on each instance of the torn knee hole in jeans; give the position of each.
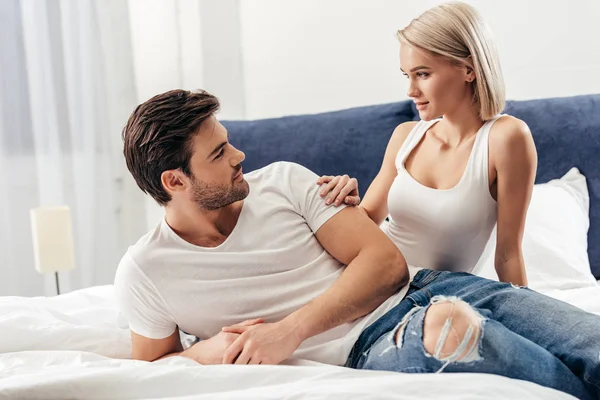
(461, 324)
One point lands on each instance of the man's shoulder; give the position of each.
(147, 242)
(282, 177)
(139, 257)
(279, 169)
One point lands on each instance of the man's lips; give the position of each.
(237, 174)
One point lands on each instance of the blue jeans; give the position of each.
(521, 334)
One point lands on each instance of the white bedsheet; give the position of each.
(62, 375)
(65, 347)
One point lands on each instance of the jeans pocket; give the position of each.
(424, 278)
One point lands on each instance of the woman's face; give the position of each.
(437, 86)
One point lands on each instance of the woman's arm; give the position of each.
(344, 189)
(515, 160)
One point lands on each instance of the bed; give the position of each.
(77, 345)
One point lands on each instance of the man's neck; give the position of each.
(201, 227)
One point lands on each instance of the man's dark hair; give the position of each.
(158, 136)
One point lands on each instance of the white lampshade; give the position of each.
(52, 239)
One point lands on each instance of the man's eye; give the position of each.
(220, 154)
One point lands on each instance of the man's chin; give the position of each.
(243, 188)
(239, 191)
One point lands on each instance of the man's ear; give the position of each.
(174, 180)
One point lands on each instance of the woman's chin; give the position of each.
(427, 115)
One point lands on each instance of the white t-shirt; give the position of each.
(270, 265)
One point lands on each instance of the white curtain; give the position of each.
(67, 87)
(71, 72)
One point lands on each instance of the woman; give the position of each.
(445, 182)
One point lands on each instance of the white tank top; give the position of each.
(442, 229)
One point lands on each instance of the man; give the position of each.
(261, 270)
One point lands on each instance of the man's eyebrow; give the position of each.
(218, 148)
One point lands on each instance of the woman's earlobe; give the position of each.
(470, 74)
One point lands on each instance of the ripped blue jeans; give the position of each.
(510, 331)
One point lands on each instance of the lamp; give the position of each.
(52, 240)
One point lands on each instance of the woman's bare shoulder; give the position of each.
(509, 138)
(509, 131)
(401, 133)
(507, 127)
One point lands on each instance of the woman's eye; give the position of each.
(420, 75)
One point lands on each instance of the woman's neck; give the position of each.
(459, 125)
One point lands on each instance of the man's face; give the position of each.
(217, 178)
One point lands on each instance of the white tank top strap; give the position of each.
(479, 168)
(411, 141)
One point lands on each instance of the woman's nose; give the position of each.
(413, 90)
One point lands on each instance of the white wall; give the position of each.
(268, 58)
(305, 56)
(189, 44)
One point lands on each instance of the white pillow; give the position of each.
(555, 237)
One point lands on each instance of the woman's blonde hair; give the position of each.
(456, 31)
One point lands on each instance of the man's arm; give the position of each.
(147, 349)
(209, 351)
(375, 270)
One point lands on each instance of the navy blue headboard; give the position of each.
(566, 132)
